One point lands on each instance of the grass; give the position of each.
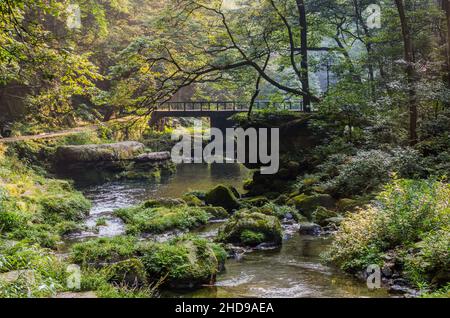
(34, 207)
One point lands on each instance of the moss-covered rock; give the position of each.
(321, 214)
(345, 204)
(141, 219)
(185, 262)
(251, 228)
(258, 201)
(307, 204)
(192, 200)
(222, 196)
(127, 150)
(216, 212)
(163, 202)
(130, 272)
(307, 228)
(103, 250)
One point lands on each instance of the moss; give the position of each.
(187, 261)
(266, 225)
(130, 272)
(192, 200)
(65, 207)
(222, 196)
(166, 203)
(103, 250)
(251, 238)
(199, 194)
(280, 211)
(36, 208)
(345, 204)
(255, 201)
(141, 219)
(321, 215)
(307, 204)
(217, 213)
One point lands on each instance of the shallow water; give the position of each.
(294, 270)
(110, 196)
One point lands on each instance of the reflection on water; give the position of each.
(110, 196)
(294, 271)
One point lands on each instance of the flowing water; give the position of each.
(294, 270)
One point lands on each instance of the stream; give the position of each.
(294, 270)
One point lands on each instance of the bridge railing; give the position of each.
(229, 106)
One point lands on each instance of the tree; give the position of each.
(410, 72)
(255, 37)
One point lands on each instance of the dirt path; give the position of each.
(56, 134)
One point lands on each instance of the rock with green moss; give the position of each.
(197, 193)
(192, 200)
(345, 204)
(127, 150)
(250, 228)
(163, 202)
(216, 212)
(103, 250)
(130, 272)
(258, 201)
(282, 212)
(185, 262)
(307, 204)
(153, 220)
(222, 196)
(311, 229)
(321, 214)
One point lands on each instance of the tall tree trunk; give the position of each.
(304, 53)
(446, 8)
(409, 58)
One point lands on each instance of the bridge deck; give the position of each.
(227, 106)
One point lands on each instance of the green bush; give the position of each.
(411, 217)
(368, 170)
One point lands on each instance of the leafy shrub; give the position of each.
(368, 170)
(410, 215)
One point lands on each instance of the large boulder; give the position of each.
(222, 196)
(249, 228)
(185, 262)
(127, 150)
(312, 229)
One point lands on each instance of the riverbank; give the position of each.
(140, 234)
